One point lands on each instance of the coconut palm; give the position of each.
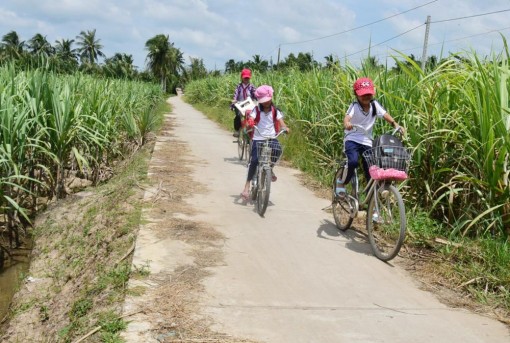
(89, 47)
(164, 60)
(12, 46)
(259, 64)
(120, 66)
(66, 55)
(39, 45)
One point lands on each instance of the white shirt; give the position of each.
(265, 124)
(365, 120)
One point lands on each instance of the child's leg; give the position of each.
(351, 150)
(237, 120)
(365, 164)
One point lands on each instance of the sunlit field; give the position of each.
(56, 126)
(457, 121)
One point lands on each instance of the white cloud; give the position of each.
(219, 30)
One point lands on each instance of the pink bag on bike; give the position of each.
(377, 173)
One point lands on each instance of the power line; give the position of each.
(451, 40)
(359, 27)
(432, 22)
(470, 16)
(387, 40)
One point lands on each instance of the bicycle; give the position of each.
(244, 140)
(268, 151)
(385, 216)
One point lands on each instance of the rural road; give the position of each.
(292, 276)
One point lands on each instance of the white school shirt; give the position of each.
(265, 124)
(365, 120)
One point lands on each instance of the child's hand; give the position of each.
(348, 126)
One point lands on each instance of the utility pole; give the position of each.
(278, 60)
(425, 43)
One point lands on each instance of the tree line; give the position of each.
(164, 62)
(304, 61)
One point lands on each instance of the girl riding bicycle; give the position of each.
(364, 111)
(269, 120)
(243, 90)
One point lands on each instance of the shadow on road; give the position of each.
(356, 240)
(238, 200)
(235, 160)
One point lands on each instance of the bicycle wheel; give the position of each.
(342, 207)
(241, 144)
(386, 234)
(263, 190)
(254, 186)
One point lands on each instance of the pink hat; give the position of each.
(246, 73)
(364, 86)
(264, 93)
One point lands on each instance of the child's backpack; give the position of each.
(390, 152)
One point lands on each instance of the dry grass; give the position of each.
(173, 306)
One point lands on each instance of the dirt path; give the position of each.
(288, 277)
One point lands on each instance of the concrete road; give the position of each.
(292, 276)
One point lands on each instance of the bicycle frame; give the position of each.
(261, 183)
(370, 189)
(264, 161)
(264, 158)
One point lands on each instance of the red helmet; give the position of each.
(246, 73)
(364, 86)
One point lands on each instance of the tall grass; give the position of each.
(457, 121)
(52, 125)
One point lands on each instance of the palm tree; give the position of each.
(120, 66)
(259, 64)
(230, 66)
(39, 45)
(67, 56)
(12, 46)
(89, 47)
(164, 60)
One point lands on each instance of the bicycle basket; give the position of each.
(388, 162)
(269, 150)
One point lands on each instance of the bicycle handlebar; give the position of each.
(282, 131)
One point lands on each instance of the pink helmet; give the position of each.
(246, 73)
(364, 86)
(264, 93)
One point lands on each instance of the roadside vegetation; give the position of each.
(56, 130)
(81, 263)
(457, 117)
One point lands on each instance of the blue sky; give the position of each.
(219, 30)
